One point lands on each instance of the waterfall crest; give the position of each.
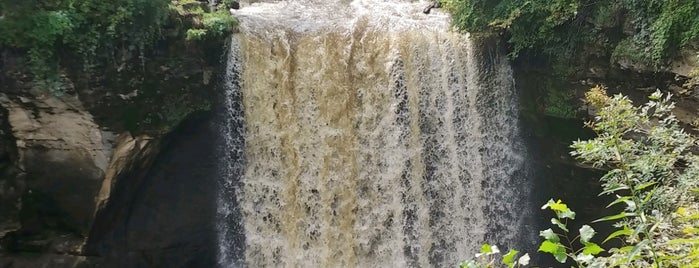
(365, 134)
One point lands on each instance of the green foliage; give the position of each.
(662, 27)
(559, 103)
(560, 28)
(214, 25)
(529, 24)
(653, 171)
(52, 31)
(582, 255)
(195, 34)
(38, 31)
(46, 29)
(219, 23)
(491, 257)
(648, 152)
(229, 3)
(654, 175)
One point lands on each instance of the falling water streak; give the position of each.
(232, 164)
(373, 137)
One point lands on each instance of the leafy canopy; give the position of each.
(52, 30)
(652, 30)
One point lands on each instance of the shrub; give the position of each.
(654, 174)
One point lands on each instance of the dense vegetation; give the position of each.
(646, 32)
(52, 31)
(654, 174)
(138, 65)
(653, 170)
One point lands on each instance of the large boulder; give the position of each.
(62, 155)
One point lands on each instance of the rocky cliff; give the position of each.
(114, 168)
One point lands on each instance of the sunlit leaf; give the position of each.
(614, 189)
(645, 185)
(637, 231)
(624, 231)
(637, 249)
(619, 200)
(524, 260)
(683, 241)
(559, 224)
(549, 247)
(560, 256)
(567, 214)
(584, 258)
(592, 249)
(586, 233)
(548, 234)
(614, 217)
(485, 249)
(508, 258)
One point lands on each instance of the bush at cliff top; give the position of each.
(653, 30)
(52, 31)
(46, 28)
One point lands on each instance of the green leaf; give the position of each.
(561, 209)
(560, 256)
(509, 258)
(558, 206)
(586, 233)
(619, 200)
(645, 185)
(626, 249)
(683, 241)
(649, 195)
(639, 230)
(559, 224)
(524, 260)
(584, 258)
(486, 249)
(567, 214)
(615, 217)
(636, 249)
(545, 206)
(592, 249)
(548, 234)
(614, 189)
(549, 247)
(624, 231)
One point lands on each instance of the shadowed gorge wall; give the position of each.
(165, 216)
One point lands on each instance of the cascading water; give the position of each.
(365, 134)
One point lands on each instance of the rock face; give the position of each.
(58, 157)
(162, 216)
(82, 197)
(88, 173)
(63, 155)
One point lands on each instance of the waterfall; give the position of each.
(366, 134)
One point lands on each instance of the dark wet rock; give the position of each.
(164, 216)
(435, 4)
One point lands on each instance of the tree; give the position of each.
(654, 174)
